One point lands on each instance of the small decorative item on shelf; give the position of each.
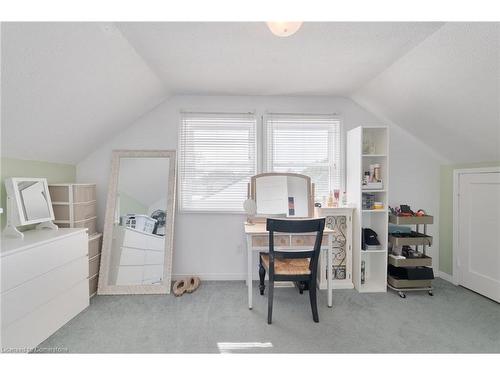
(368, 200)
(378, 206)
(344, 199)
(336, 197)
(331, 201)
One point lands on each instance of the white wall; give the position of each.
(213, 245)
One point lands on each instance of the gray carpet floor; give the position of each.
(216, 319)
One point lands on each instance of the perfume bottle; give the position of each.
(331, 200)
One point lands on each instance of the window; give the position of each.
(306, 144)
(217, 159)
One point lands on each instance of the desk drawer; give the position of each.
(279, 240)
(307, 240)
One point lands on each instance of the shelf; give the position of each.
(405, 283)
(373, 190)
(374, 155)
(410, 220)
(410, 262)
(375, 211)
(421, 240)
(373, 251)
(366, 288)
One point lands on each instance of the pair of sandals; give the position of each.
(188, 285)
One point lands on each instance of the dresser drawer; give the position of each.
(156, 243)
(154, 257)
(30, 263)
(94, 265)
(25, 298)
(153, 272)
(129, 275)
(81, 211)
(132, 238)
(93, 285)
(132, 257)
(84, 193)
(90, 224)
(38, 325)
(307, 240)
(95, 243)
(279, 240)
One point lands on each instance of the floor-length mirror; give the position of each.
(138, 229)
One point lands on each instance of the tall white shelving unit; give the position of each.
(375, 261)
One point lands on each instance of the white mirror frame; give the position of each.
(252, 193)
(164, 288)
(15, 215)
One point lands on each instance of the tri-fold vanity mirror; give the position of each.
(138, 229)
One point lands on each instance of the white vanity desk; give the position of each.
(258, 240)
(291, 196)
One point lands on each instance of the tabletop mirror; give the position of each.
(28, 202)
(287, 195)
(139, 222)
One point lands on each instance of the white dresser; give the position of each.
(141, 256)
(44, 284)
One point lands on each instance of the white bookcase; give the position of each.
(359, 160)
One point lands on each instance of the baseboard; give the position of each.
(214, 276)
(446, 276)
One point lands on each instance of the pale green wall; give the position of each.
(53, 172)
(446, 213)
(130, 205)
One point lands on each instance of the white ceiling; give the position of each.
(67, 87)
(245, 58)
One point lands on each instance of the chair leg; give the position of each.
(262, 275)
(312, 298)
(270, 293)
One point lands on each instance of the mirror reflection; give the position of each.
(139, 235)
(282, 195)
(34, 202)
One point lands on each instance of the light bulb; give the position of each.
(283, 29)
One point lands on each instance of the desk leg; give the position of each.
(249, 270)
(329, 275)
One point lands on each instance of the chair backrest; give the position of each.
(296, 226)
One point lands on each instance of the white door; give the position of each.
(479, 233)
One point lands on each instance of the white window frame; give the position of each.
(257, 159)
(340, 164)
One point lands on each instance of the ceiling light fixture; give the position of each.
(284, 29)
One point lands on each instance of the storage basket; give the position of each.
(143, 223)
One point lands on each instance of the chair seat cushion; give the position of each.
(298, 266)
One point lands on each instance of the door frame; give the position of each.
(456, 180)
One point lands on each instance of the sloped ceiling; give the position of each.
(245, 58)
(66, 87)
(446, 92)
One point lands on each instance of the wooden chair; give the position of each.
(298, 266)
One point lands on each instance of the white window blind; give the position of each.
(217, 159)
(306, 144)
